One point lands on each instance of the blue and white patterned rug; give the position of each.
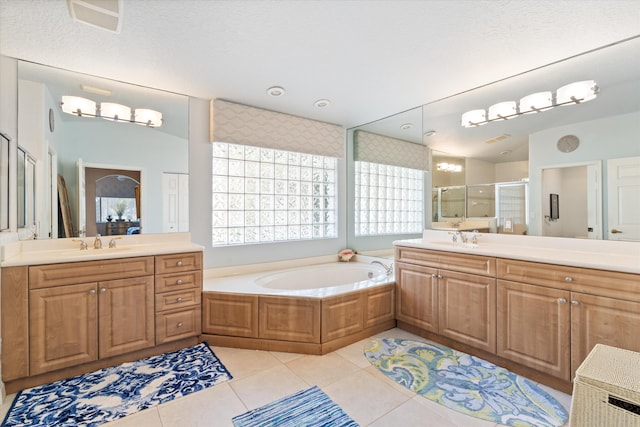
(465, 383)
(112, 393)
(308, 408)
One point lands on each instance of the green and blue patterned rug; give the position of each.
(465, 383)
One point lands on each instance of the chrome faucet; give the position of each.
(388, 268)
(97, 244)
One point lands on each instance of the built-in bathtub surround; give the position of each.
(308, 309)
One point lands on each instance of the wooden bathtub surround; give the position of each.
(296, 324)
(69, 318)
(540, 320)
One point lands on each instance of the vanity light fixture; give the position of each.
(573, 93)
(78, 106)
(474, 118)
(502, 111)
(146, 117)
(276, 91)
(577, 92)
(449, 167)
(115, 112)
(84, 107)
(536, 102)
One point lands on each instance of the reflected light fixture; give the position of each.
(474, 118)
(577, 92)
(146, 117)
(449, 167)
(536, 102)
(78, 106)
(116, 112)
(502, 111)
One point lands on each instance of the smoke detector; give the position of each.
(103, 14)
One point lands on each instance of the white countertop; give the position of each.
(52, 251)
(598, 254)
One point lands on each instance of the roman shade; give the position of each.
(374, 148)
(242, 124)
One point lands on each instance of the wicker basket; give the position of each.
(606, 390)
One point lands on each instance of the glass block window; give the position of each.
(264, 195)
(389, 199)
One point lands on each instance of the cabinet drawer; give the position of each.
(174, 282)
(177, 324)
(598, 282)
(175, 263)
(474, 264)
(45, 276)
(177, 299)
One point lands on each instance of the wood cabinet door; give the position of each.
(63, 327)
(127, 319)
(467, 309)
(602, 320)
(533, 327)
(417, 296)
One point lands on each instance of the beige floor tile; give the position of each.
(412, 414)
(214, 406)
(354, 353)
(456, 418)
(286, 357)
(399, 333)
(364, 397)
(563, 398)
(244, 363)
(322, 370)
(6, 404)
(147, 418)
(267, 386)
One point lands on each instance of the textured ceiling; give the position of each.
(370, 58)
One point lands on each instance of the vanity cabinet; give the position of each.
(63, 319)
(450, 294)
(561, 312)
(178, 293)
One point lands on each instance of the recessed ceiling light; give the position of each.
(276, 91)
(505, 152)
(321, 103)
(406, 126)
(430, 132)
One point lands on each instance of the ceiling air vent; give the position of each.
(104, 14)
(497, 138)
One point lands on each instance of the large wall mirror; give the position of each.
(521, 161)
(84, 150)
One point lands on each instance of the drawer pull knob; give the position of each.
(574, 302)
(568, 279)
(434, 276)
(92, 292)
(103, 290)
(562, 300)
(179, 282)
(179, 263)
(179, 299)
(179, 325)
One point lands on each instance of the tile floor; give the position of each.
(260, 377)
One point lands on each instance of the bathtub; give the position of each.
(315, 281)
(314, 309)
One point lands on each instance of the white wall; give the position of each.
(570, 184)
(608, 138)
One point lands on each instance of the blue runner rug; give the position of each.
(112, 393)
(465, 383)
(306, 408)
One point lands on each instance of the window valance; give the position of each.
(242, 124)
(374, 148)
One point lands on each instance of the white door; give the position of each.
(623, 192)
(175, 202)
(82, 203)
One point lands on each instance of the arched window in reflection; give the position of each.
(116, 209)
